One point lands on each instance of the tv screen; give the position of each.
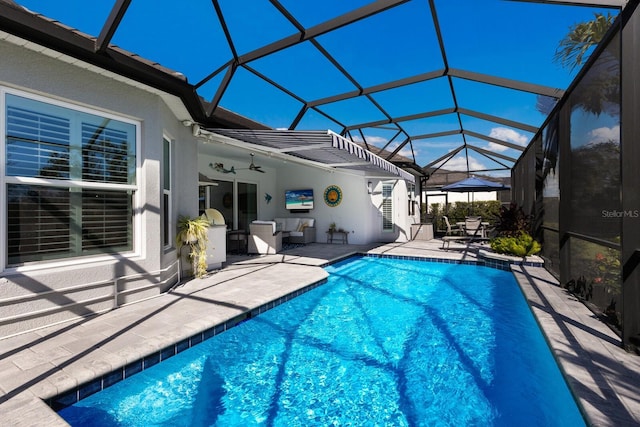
(299, 199)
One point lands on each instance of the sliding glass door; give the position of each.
(236, 201)
(247, 204)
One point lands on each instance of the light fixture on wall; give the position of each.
(369, 187)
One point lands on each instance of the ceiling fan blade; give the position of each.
(253, 167)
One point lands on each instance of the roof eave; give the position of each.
(20, 22)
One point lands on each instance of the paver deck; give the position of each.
(44, 363)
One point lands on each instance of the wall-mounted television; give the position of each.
(298, 199)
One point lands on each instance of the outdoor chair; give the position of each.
(473, 228)
(263, 238)
(451, 230)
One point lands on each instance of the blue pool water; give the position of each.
(385, 342)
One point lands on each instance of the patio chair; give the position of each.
(473, 228)
(451, 230)
(263, 238)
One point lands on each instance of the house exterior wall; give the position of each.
(265, 182)
(46, 292)
(358, 212)
(41, 293)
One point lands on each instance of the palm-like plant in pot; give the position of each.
(192, 232)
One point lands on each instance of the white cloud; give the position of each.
(406, 152)
(605, 134)
(376, 140)
(508, 135)
(496, 147)
(450, 145)
(373, 140)
(460, 164)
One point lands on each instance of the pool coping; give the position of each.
(84, 390)
(603, 376)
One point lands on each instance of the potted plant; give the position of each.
(332, 227)
(192, 232)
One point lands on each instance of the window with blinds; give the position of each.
(387, 207)
(37, 144)
(38, 223)
(63, 215)
(105, 156)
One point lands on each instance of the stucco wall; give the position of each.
(359, 212)
(48, 292)
(44, 293)
(265, 182)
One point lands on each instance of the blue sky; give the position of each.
(509, 39)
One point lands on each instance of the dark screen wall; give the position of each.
(580, 181)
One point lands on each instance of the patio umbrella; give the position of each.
(474, 184)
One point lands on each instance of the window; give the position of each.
(70, 178)
(387, 207)
(411, 191)
(167, 163)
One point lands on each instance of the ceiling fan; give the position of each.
(219, 167)
(253, 167)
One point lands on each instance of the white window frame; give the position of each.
(167, 221)
(411, 196)
(387, 186)
(5, 180)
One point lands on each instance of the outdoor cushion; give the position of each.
(291, 224)
(301, 230)
(273, 223)
(303, 224)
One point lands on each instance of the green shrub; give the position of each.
(521, 245)
(512, 221)
(456, 212)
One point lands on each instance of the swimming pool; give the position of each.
(384, 342)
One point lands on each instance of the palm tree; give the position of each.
(571, 52)
(581, 37)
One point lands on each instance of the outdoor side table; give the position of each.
(341, 236)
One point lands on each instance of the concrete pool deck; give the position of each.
(45, 363)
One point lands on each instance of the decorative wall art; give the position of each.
(332, 196)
